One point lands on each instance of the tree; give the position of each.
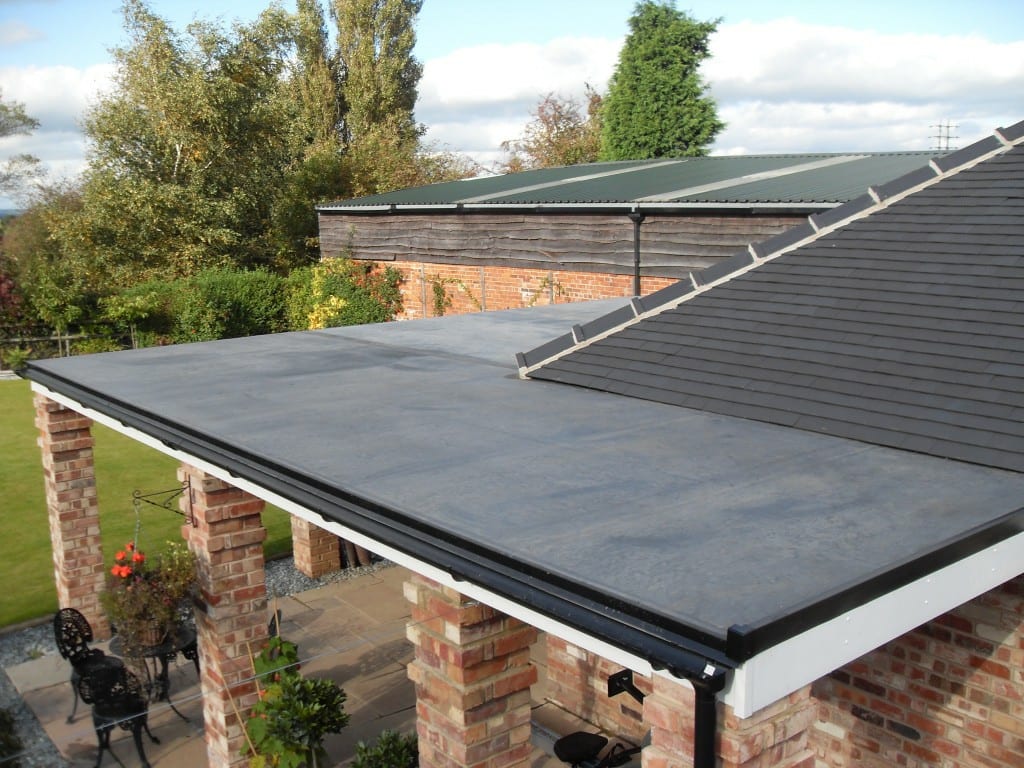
(186, 150)
(559, 134)
(381, 77)
(657, 103)
(22, 167)
(60, 288)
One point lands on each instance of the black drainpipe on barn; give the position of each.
(637, 218)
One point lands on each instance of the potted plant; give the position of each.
(391, 750)
(144, 597)
(294, 714)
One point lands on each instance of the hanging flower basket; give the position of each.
(144, 598)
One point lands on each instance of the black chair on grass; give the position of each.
(73, 633)
(117, 699)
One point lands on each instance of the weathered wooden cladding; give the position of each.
(670, 245)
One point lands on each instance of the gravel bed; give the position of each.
(33, 642)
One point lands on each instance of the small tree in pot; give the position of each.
(288, 724)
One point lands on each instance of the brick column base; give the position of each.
(228, 544)
(66, 443)
(316, 551)
(473, 675)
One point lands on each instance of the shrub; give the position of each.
(391, 750)
(341, 292)
(294, 714)
(224, 303)
(95, 344)
(146, 312)
(15, 358)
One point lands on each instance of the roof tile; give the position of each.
(900, 328)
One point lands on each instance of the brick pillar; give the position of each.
(228, 543)
(316, 551)
(66, 444)
(773, 737)
(473, 675)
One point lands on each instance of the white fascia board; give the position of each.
(511, 608)
(802, 659)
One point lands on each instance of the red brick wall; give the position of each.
(475, 289)
(578, 682)
(950, 693)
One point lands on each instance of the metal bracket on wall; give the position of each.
(165, 500)
(623, 682)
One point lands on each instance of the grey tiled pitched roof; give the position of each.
(902, 326)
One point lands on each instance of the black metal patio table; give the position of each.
(158, 656)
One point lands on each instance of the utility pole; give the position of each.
(944, 133)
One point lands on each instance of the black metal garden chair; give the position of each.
(73, 633)
(117, 699)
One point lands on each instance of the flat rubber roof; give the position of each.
(713, 530)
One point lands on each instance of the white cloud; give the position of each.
(477, 97)
(785, 86)
(786, 59)
(782, 86)
(16, 32)
(521, 72)
(55, 96)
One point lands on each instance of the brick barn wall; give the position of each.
(475, 289)
(950, 693)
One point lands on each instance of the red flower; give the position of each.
(138, 557)
(130, 546)
(119, 556)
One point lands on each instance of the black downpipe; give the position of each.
(705, 724)
(637, 218)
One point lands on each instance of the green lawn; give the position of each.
(122, 466)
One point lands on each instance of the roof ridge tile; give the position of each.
(1013, 133)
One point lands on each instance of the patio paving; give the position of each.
(352, 631)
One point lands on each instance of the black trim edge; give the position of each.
(746, 641)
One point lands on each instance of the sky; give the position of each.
(787, 76)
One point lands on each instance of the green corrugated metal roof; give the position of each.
(816, 180)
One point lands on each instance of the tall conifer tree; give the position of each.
(657, 103)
